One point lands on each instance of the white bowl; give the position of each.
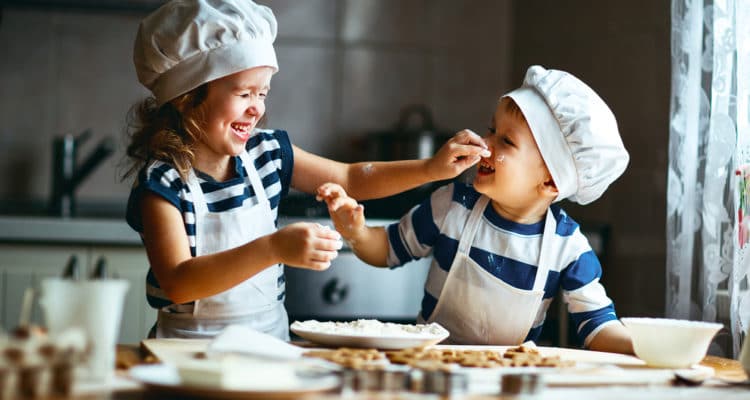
(670, 343)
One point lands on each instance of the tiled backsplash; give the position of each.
(346, 68)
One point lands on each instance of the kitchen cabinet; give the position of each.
(129, 263)
(24, 265)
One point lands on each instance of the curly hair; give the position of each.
(165, 133)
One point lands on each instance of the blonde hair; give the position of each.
(165, 133)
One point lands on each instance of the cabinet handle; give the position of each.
(100, 271)
(72, 269)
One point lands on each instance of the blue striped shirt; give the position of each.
(272, 156)
(506, 249)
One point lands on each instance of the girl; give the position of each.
(209, 182)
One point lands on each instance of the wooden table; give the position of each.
(725, 370)
(730, 370)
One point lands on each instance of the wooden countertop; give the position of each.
(726, 370)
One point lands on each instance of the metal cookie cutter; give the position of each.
(444, 383)
(526, 385)
(377, 379)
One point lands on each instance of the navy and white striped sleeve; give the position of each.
(159, 178)
(416, 233)
(588, 304)
(273, 158)
(286, 158)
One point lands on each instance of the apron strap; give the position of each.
(472, 224)
(545, 252)
(200, 209)
(254, 176)
(199, 201)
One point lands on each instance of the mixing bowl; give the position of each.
(670, 343)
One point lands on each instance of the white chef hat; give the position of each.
(575, 131)
(186, 43)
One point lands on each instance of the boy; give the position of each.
(502, 249)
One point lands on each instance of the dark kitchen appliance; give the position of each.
(413, 136)
(351, 289)
(392, 208)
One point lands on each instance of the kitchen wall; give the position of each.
(347, 67)
(621, 48)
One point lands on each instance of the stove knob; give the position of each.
(333, 293)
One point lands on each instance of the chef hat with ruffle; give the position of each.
(186, 43)
(575, 131)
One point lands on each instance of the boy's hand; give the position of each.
(458, 154)
(347, 215)
(306, 245)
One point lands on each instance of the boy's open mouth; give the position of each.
(485, 168)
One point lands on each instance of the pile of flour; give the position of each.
(371, 327)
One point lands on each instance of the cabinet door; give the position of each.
(24, 266)
(129, 263)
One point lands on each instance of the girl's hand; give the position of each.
(458, 154)
(306, 245)
(347, 215)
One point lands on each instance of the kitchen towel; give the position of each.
(240, 339)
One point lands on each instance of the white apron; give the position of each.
(256, 302)
(478, 308)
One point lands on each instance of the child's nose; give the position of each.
(256, 108)
(488, 143)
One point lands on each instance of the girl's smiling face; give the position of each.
(234, 104)
(515, 172)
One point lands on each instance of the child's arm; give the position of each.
(589, 307)
(367, 180)
(613, 338)
(370, 244)
(185, 278)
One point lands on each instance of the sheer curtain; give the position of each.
(707, 261)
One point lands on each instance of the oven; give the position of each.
(351, 289)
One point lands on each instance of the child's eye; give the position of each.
(246, 95)
(491, 129)
(508, 141)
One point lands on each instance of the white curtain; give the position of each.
(709, 141)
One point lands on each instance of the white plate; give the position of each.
(164, 379)
(383, 342)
